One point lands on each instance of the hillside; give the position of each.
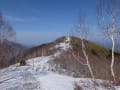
(37, 74)
(58, 66)
(70, 57)
(8, 52)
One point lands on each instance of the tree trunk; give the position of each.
(113, 59)
(87, 60)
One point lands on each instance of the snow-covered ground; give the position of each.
(64, 45)
(37, 74)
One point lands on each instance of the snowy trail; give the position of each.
(40, 78)
(23, 78)
(56, 82)
(33, 78)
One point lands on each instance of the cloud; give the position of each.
(13, 18)
(21, 19)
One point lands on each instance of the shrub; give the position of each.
(22, 63)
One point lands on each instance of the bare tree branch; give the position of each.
(6, 30)
(108, 9)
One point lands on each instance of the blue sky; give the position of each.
(41, 21)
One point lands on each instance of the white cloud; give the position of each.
(21, 19)
(13, 18)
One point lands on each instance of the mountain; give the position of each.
(70, 57)
(8, 51)
(58, 66)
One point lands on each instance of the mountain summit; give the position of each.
(68, 57)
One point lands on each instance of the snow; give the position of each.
(117, 88)
(56, 82)
(88, 84)
(40, 63)
(64, 45)
(36, 75)
(68, 39)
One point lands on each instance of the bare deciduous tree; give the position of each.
(108, 17)
(83, 31)
(6, 31)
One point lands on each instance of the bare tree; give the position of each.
(108, 17)
(6, 31)
(83, 31)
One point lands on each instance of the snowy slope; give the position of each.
(38, 77)
(38, 74)
(65, 45)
